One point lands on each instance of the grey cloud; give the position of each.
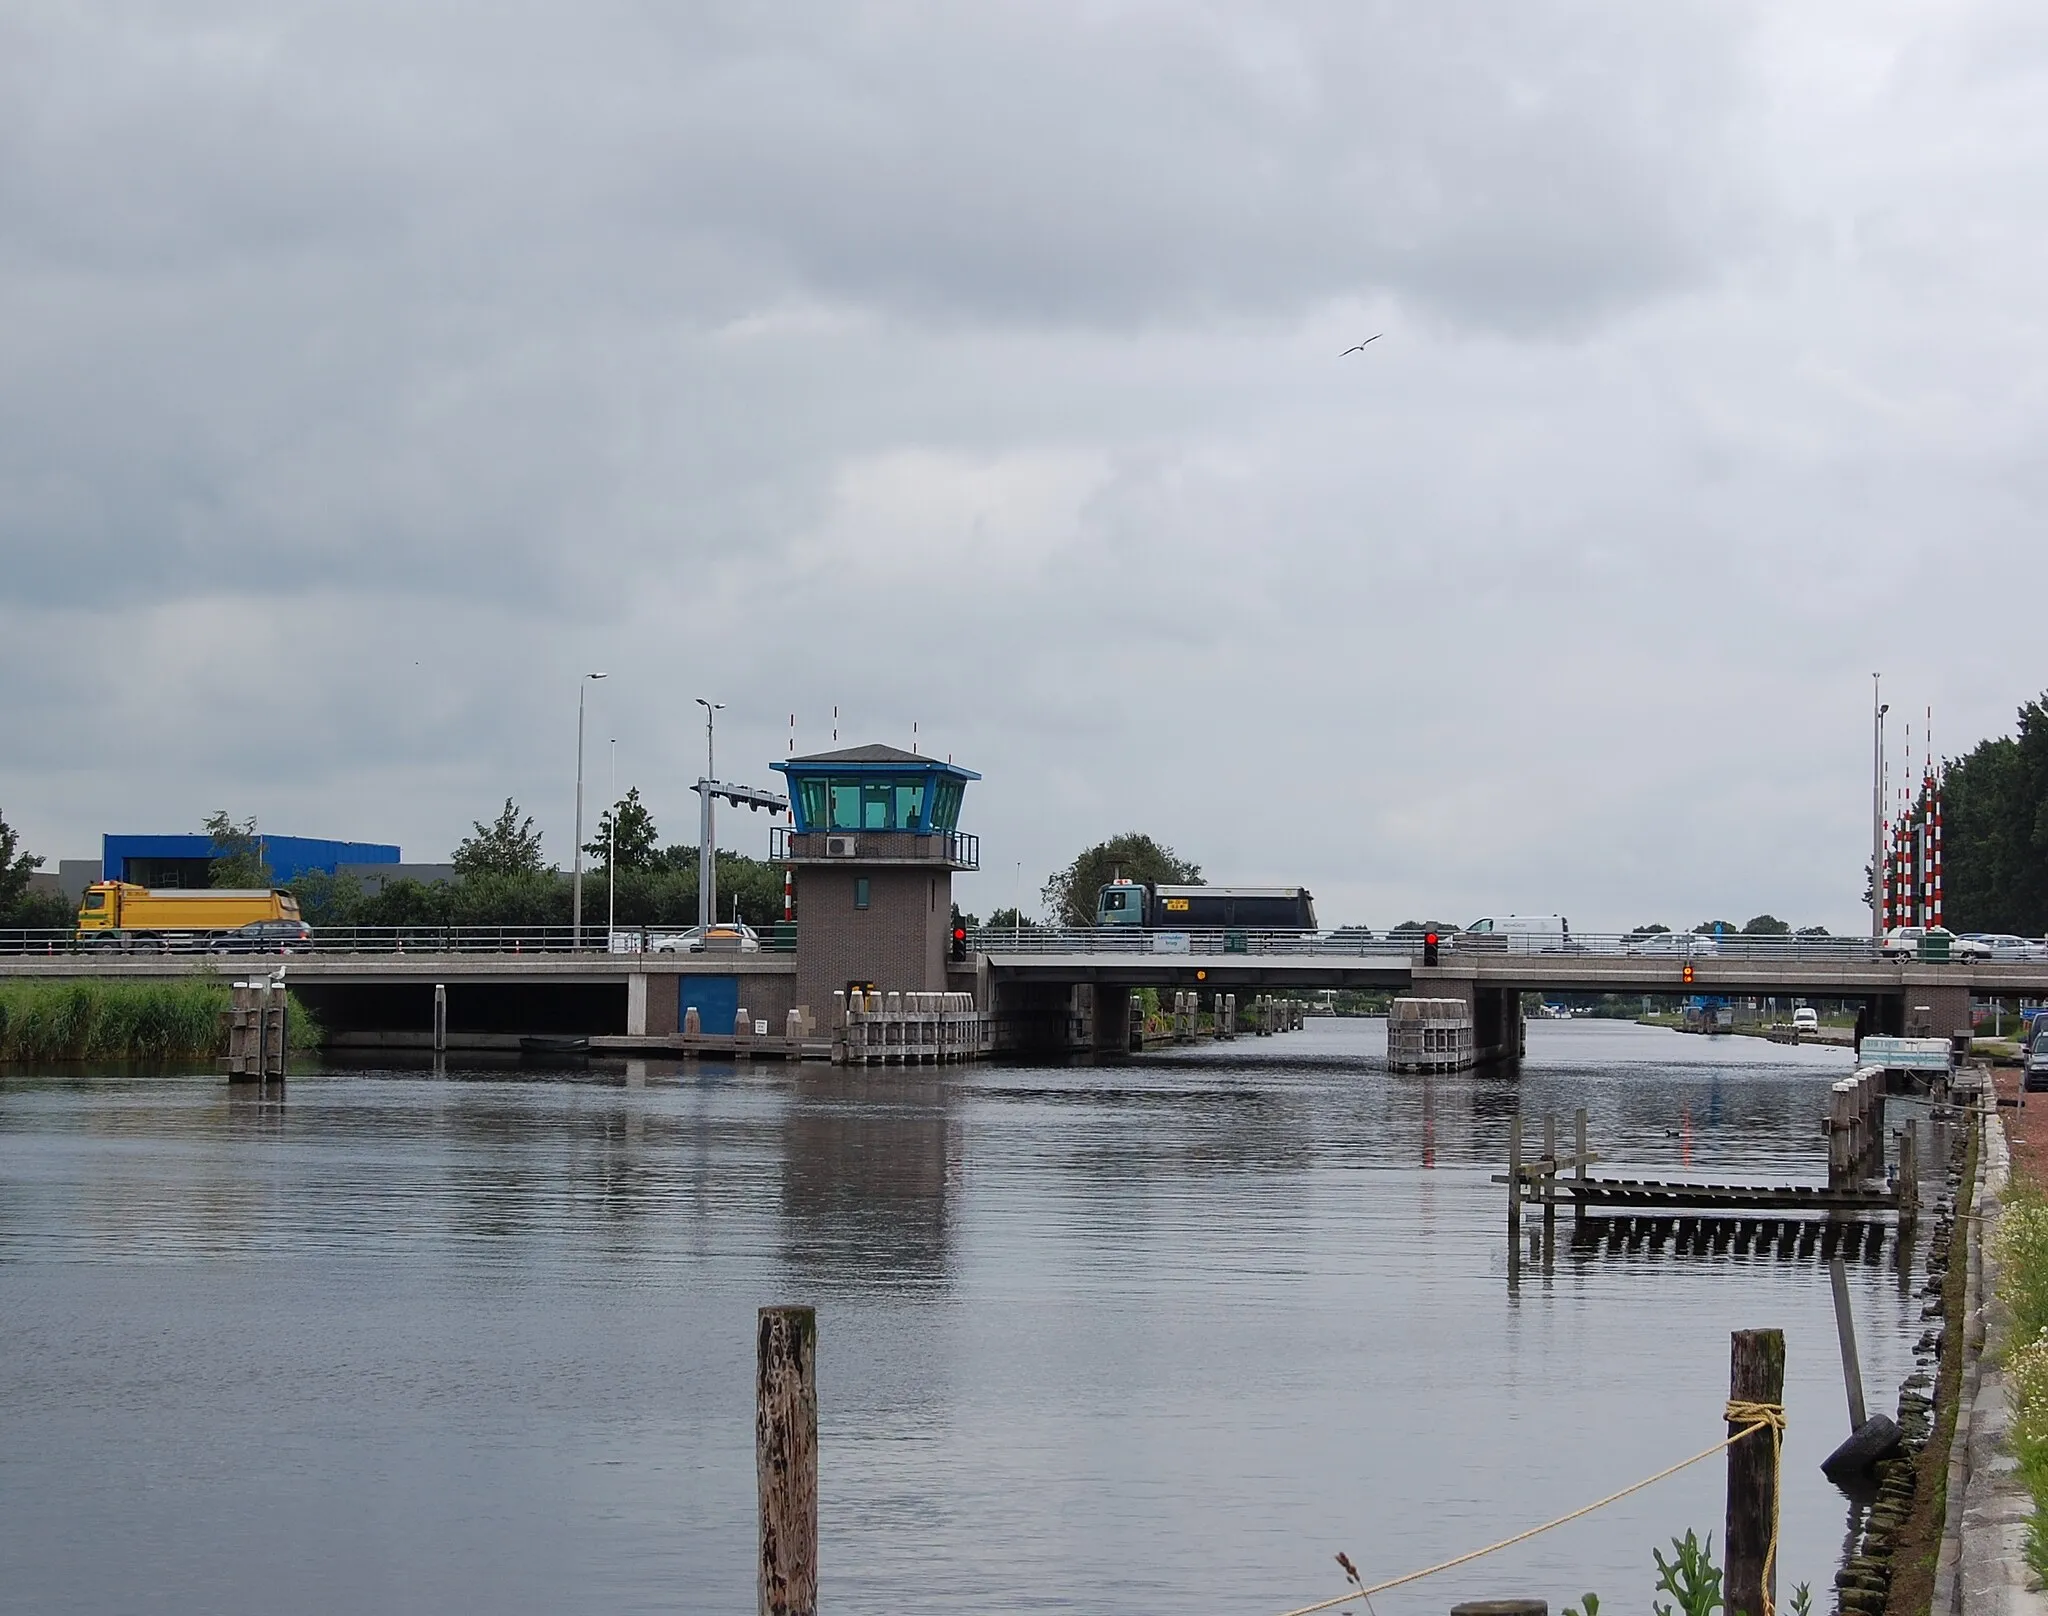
(371, 372)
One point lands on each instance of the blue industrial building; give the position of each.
(184, 861)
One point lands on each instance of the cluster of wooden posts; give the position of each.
(1536, 1181)
(1271, 1015)
(259, 1030)
(909, 1029)
(1266, 1015)
(1855, 1126)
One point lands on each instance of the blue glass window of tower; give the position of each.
(846, 805)
(946, 811)
(816, 801)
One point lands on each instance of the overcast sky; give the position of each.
(367, 372)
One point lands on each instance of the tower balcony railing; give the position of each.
(957, 849)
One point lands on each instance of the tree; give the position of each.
(238, 859)
(1715, 928)
(1766, 926)
(15, 868)
(1649, 930)
(1813, 931)
(508, 846)
(1995, 831)
(1069, 893)
(1012, 920)
(636, 841)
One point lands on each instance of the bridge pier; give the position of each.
(1112, 1019)
(1934, 1008)
(1499, 1030)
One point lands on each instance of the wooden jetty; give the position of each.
(1783, 1238)
(1684, 1211)
(1666, 1193)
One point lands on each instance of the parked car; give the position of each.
(2035, 1075)
(1805, 1019)
(726, 937)
(2003, 946)
(265, 937)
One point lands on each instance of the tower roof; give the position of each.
(893, 757)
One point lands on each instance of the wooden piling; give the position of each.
(1514, 1190)
(786, 1459)
(1845, 1333)
(1756, 1375)
(1549, 1184)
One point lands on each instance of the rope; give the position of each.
(1772, 1418)
(1757, 1417)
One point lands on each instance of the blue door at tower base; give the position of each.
(716, 999)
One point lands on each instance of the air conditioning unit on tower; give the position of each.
(841, 846)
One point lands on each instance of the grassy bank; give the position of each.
(2023, 1282)
(108, 1020)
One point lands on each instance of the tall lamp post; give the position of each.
(611, 854)
(1878, 710)
(576, 880)
(707, 838)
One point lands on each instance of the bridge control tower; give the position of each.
(875, 838)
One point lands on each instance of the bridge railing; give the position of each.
(1669, 947)
(1650, 947)
(371, 940)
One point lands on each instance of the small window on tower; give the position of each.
(860, 892)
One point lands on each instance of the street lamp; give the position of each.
(576, 880)
(611, 854)
(1878, 710)
(707, 857)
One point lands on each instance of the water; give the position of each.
(1163, 1336)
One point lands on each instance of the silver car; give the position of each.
(2005, 947)
(1674, 944)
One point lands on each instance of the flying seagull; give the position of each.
(1375, 337)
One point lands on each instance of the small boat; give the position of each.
(553, 1044)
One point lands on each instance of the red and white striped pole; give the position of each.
(1935, 854)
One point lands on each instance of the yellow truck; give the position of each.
(118, 914)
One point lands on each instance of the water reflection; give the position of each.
(871, 1162)
(1163, 1334)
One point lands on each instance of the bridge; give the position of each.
(1032, 968)
(1046, 987)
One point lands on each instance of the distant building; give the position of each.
(187, 861)
(374, 878)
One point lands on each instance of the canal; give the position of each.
(1164, 1336)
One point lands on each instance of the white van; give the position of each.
(1519, 934)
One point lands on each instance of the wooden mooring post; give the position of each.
(259, 1031)
(786, 1459)
(1515, 1196)
(1549, 1187)
(1756, 1375)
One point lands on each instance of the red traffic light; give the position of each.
(1686, 976)
(1430, 938)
